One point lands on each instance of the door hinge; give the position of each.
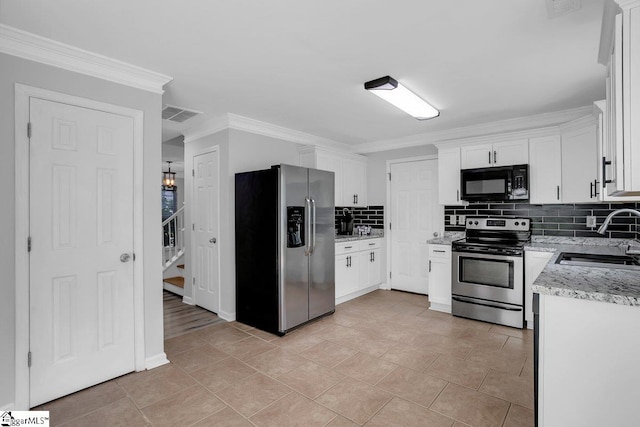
(29, 130)
(389, 226)
(389, 275)
(193, 172)
(29, 359)
(193, 226)
(389, 176)
(193, 281)
(29, 244)
(133, 256)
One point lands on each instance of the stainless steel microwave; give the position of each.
(505, 183)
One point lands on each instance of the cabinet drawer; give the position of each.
(365, 245)
(347, 247)
(439, 251)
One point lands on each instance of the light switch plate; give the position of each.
(591, 221)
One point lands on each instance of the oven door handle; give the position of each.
(486, 305)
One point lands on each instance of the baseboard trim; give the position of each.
(385, 286)
(187, 300)
(445, 308)
(10, 407)
(229, 317)
(155, 361)
(356, 294)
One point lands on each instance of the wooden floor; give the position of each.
(181, 318)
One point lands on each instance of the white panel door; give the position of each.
(415, 216)
(81, 269)
(205, 231)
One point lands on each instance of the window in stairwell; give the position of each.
(169, 207)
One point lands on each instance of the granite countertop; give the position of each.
(375, 234)
(449, 236)
(617, 286)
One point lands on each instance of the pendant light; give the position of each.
(396, 94)
(169, 178)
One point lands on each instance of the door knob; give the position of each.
(125, 257)
(212, 240)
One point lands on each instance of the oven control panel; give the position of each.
(504, 224)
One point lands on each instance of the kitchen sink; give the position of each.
(626, 262)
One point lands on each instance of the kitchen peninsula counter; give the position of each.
(611, 285)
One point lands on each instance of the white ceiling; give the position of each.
(302, 64)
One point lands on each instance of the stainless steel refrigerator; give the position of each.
(285, 247)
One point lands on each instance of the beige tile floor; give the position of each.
(383, 359)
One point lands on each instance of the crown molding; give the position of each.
(579, 123)
(246, 124)
(40, 49)
(209, 127)
(628, 4)
(475, 132)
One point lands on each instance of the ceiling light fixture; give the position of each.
(169, 178)
(395, 93)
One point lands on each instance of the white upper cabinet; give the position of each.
(350, 172)
(579, 165)
(502, 153)
(476, 156)
(545, 169)
(620, 52)
(511, 152)
(449, 176)
(354, 185)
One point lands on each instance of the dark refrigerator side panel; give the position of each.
(256, 217)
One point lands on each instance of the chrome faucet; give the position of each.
(607, 220)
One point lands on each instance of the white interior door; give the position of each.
(415, 216)
(205, 230)
(80, 265)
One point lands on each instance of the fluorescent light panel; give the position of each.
(396, 94)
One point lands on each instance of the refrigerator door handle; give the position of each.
(313, 226)
(307, 226)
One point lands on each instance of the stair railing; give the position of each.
(173, 237)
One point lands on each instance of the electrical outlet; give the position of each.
(461, 219)
(591, 221)
(452, 220)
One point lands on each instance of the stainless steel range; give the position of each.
(488, 270)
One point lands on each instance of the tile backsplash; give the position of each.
(567, 220)
(370, 215)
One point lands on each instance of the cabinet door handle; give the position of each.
(437, 250)
(591, 190)
(489, 157)
(457, 195)
(373, 257)
(429, 266)
(356, 199)
(595, 188)
(558, 192)
(495, 157)
(348, 247)
(605, 181)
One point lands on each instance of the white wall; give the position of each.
(239, 152)
(16, 70)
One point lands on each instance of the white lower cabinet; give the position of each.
(588, 363)
(440, 278)
(358, 268)
(534, 263)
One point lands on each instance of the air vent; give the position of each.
(557, 8)
(178, 114)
